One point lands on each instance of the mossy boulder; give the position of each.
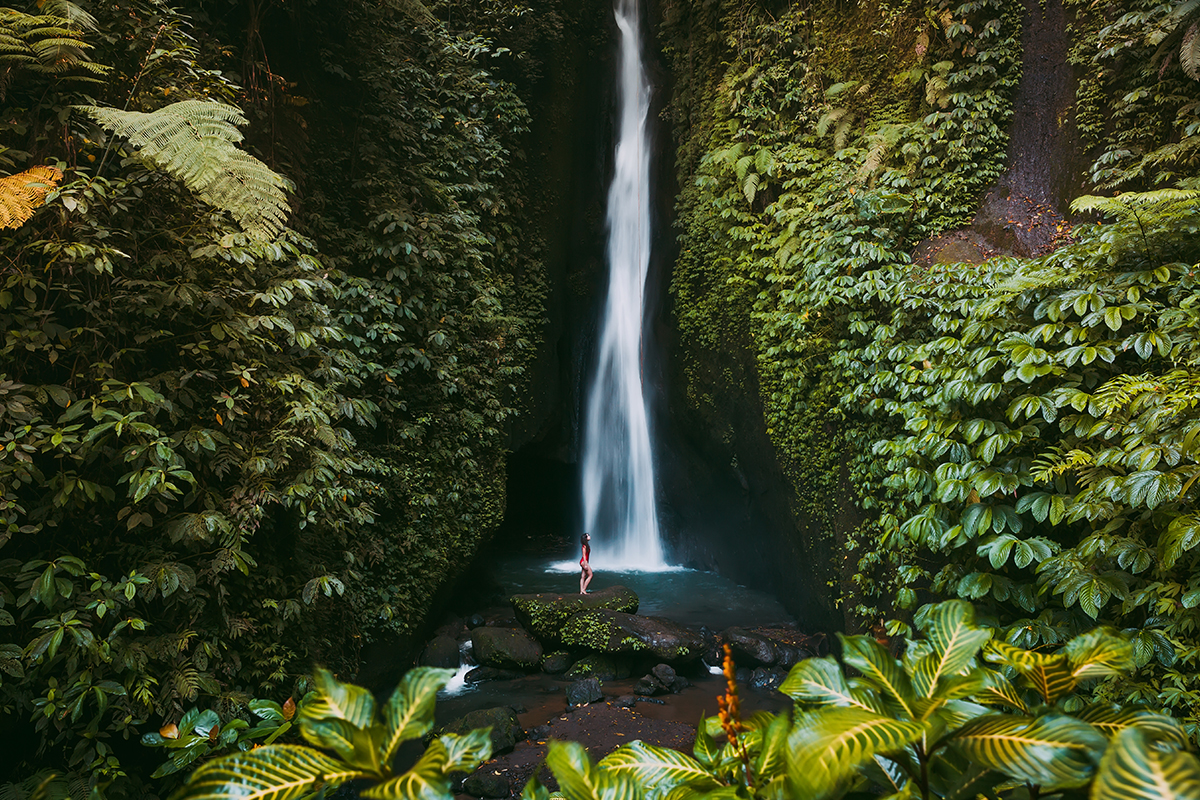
(545, 614)
(506, 648)
(612, 632)
(599, 666)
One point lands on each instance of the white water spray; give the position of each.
(618, 467)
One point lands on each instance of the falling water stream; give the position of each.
(618, 467)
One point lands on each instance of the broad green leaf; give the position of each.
(772, 761)
(877, 665)
(826, 746)
(1132, 770)
(278, 772)
(408, 714)
(429, 779)
(340, 701)
(998, 689)
(1155, 726)
(657, 769)
(1099, 653)
(1053, 751)
(950, 629)
(466, 752)
(578, 779)
(705, 747)
(1050, 675)
(820, 681)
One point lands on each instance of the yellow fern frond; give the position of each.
(24, 193)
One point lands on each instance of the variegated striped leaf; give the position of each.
(950, 629)
(1049, 674)
(427, 780)
(877, 665)
(772, 761)
(998, 689)
(705, 747)
(276, 772)
(337, 700)
(1099, 653)
(688, 793)
(1155, 726)
(1132, 770)
(827, 746)
(409, 712)
(1053, 751)
(466, 752)
(578, 779)
(819, 681)
(657, 769)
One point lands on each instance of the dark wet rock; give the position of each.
(765, 680)
(600, 666)
(442, 651)
(787, 656)
(614, 632)
(556, 663)
(506, 648)
(486, 784)
(544, 614)
(506, 728)
(625, 701)
(713, 654)
(750, 649)
(742, 675)
(484, 674)
(648, 686)
(475, 621)
(665, 674)
(584, 691)
(539, 733)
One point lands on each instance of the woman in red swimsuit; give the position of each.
(585, 577)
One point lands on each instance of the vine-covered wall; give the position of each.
(870, 249)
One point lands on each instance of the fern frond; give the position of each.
(24, 193)
(830, 119)
(194, 140)
(65, 9)
(1189, 52)
(1123, 205)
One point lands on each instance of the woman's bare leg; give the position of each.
(584, 579)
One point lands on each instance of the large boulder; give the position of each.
(750, 649)
(485, 783)
(506, 728)
(506, 648)
(606, 631)
(442, 651)
(585, 691)
(544, 614)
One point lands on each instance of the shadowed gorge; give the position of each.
(862, 338)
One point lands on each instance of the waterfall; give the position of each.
(618, 467)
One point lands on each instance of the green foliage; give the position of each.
(342, 717)
(193, 140)
(899, 730)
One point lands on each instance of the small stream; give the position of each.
(695, 599)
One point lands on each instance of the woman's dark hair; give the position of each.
(583, 538)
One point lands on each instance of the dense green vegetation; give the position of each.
(939, 723)
(238, 439)
(254, 391)
(1021, 432)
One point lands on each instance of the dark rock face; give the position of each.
(615, 632)
(442, 651)
(750, 649)
(483, 674)
(764, 679)
(506, 648)
(556, 663)
(545, 614)
(485, 784)
(625, 701)
(506, 728)
(585, 691)
(599, 666)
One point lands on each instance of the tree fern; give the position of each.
(49, 43)
(23, 193)
(194, 140)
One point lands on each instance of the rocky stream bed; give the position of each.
(606, 676)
